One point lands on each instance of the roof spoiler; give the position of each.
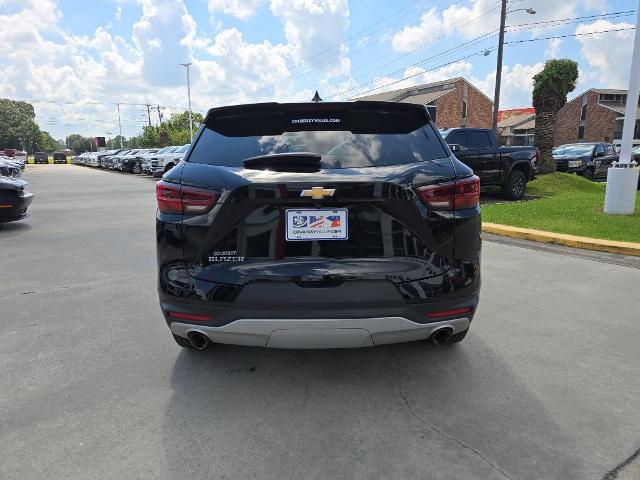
(362, 116)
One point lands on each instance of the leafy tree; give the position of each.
(174, 131)
(46, 142)
(550, 89)
(114, 143)
(78, 143)
(180, 121)
(18, 128)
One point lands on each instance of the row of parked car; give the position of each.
(14, 199)
(151, 161)
(11, 166)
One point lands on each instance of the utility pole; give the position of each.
(148, 112)
(622, 177)
(189, 95)
(496, 95)
(159, 115)
(120, 127)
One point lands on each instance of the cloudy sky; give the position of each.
(75, 59)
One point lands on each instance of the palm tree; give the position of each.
(550, 88)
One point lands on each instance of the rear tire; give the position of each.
(136, 168)
(184, 342)
(515, 187)
(588, 173)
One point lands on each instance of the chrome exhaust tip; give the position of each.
(198, 340)
(441, 335)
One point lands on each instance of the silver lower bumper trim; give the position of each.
(320, 333)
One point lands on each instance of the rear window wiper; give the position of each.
(285, 162)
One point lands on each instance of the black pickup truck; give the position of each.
(507, 167)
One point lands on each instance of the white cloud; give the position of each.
(118, 15)
(606, 52)
(248, 70)
(479, 17)
(516, 85)
(411, 37)
(553, 49)
(162, 36)
(314, 29)
(241, 9)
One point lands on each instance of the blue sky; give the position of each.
(76, 59)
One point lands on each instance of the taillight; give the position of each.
(190, 316)
(182, 199)
(537, 154)
(463, 193)
(449, 313)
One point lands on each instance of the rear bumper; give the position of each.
(320, 333)
(284, 315)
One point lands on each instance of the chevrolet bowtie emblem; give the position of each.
(318, 193)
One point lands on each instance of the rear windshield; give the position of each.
(337, 148)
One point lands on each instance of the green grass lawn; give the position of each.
(570, 204)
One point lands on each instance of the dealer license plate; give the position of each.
(317, 224)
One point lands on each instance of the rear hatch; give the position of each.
(315, 193)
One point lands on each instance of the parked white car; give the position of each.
(165, 162)
(148, 158)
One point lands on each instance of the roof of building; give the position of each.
(515, 120)
(613, 91)
(423, 94)
(619, 108)
(528, 125)
(602, 91)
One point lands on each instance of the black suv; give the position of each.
(59, 157)
(40, 157)
(321, 225)
(591, 160)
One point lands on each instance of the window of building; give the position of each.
(583, 113)
(464, 109)
(580, 132)
(613, 97)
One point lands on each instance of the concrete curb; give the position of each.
(611, 246)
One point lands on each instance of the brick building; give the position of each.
(516, 128)
(597, 115)
(456, 102)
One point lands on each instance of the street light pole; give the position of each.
(496, 94)
(622, 177)
(189, 95)
(120, 127)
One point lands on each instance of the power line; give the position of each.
(513, 42)
(419, 47)
(491, 34)
(451, 50)
(622, 13)
(328, 60)
(356, 35)
(421, 73)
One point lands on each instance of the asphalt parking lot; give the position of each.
(94, 387)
